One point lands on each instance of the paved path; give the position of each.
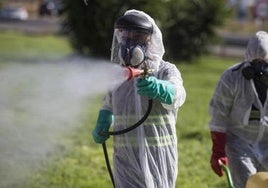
(31, 26)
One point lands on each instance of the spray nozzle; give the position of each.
(131, 72)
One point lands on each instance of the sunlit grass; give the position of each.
(192, 126)
(14, 46)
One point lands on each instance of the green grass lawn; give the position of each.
(27, 48)
(192, 126)
(80, 162)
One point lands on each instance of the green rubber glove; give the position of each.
(104, 122)
(156, 89)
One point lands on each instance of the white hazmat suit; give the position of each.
(147, 156)
(236, 109)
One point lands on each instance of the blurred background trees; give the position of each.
(187, 26)
(190, 26)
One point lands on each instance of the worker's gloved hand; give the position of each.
(218, 152)
(104, 122)
(156, 89)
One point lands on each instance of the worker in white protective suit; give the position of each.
(147, 156)
(239, 115)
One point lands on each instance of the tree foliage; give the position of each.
(190, 26)
(89, 26)
(187, 25)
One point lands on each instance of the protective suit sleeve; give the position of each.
(104, 122)
(218, 152)
(156, 89)
(221, 103)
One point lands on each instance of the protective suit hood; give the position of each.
(257, 47)
(154, 50)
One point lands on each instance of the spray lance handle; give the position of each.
(131, 72)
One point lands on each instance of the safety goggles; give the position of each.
(125, 36)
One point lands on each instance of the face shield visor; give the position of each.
(152, 47)
(132, 46)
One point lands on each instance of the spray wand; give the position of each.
(131, 72)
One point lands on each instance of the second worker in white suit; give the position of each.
(239, 114)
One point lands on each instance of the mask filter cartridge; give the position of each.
(258, 68)
(132, 56)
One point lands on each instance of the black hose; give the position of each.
(147, 113)
(108, 162)
(149, 108)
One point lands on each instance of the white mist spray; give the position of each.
(41, 101)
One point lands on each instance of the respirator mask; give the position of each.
(258, 70)
(131, 53)
(133, 33)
